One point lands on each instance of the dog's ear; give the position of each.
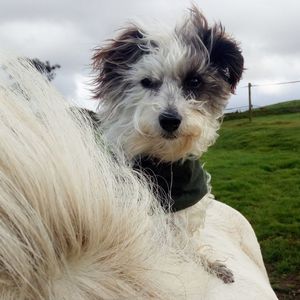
(225, 55)
(112, 61)
(223, 51)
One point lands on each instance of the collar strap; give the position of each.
(177, 185)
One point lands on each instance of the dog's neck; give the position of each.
(177, 185)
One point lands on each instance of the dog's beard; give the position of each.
(135, 130)
(165, 150)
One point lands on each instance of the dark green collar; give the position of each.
(178, 185)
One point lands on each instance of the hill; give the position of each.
(274, 109)
(255, 168)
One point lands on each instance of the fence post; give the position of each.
(250, 104)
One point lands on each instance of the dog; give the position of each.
(162, 95)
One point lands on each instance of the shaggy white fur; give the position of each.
(76, 224)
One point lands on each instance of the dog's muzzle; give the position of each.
(169, 120)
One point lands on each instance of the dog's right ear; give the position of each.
(111, 61)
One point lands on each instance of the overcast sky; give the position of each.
(66, 31)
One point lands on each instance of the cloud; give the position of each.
(65, 32)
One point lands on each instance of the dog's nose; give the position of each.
(169, 120)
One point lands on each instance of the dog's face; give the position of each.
(162, 94)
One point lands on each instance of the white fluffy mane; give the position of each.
(74, 223)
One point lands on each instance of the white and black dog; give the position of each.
(162, 93)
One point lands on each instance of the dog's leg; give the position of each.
(214, 267)
(220, 270)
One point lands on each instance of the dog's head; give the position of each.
(162, 94)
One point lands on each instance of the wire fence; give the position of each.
(249, 86)
(270, 84)
(244, 107)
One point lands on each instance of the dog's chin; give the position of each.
(169, 136)
(165, 147)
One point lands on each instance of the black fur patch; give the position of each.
(225, 55)
(110, 61)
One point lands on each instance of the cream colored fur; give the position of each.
(74, 224)
(77, 224)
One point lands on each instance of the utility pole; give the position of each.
(250, 104)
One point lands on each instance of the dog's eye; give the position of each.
(192, 82)
(148, 83)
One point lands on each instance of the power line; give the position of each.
(269, 84)
(236, 107)
(249, 86)
(239, 107)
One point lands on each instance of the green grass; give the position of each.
(274, 109)
(255, 168)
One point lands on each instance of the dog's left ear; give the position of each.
(224, 52)
(225, 55)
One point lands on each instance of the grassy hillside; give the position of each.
(274, 109)
(255, 168)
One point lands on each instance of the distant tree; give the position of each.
(45, 68)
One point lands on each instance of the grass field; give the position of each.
(255, 168)
(275, 109)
